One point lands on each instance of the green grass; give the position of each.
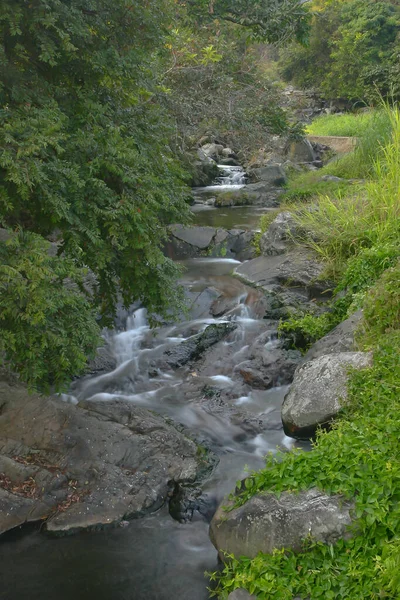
(360, 164)
(359, 457)
(349, 124)
(345, 224)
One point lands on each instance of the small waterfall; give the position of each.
(127, 342)
(230, 175)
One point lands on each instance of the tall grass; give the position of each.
(344, 224)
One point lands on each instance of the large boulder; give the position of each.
(240, 197)
(319, 391)
(340, 339)
(265, 522)
(212, 150)
(85, 466)
(279, 235)
(298, 268)
(189, 242)
(272, 174)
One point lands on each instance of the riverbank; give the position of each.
(358, 235)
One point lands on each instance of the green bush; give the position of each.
(382, 306)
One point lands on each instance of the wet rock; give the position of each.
(241, 197)
(265, 194)
(319, 391)
(188, 242)
(85, 466)
(298, 268)
(301, 152)
(200, 303)
(200, 237)
(269, 365)
(340, 339)
(279, 235)
(265, 522)
(241, 244)
(272, 174)
(189, 503)
(195, 346)
(103, 362)
(241, 594)
(229, 162)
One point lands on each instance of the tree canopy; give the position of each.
(353, 51)
(86, 161)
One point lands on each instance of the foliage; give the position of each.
(353, 50)
(47, 323)
(267, 21)
(85, 151)
(231, 100)
(382, 306)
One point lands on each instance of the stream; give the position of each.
(158, 557)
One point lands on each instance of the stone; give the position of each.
(188, 242)
(85, 466)
(196, 345)
(279, 235)
(200, 237)
(265, 194)
(212, 150)
(103, 362)
(228, 153)
(298, 268)
(229, 162)
(301, 152)
(241, 197)
(319, 391)
(265, 522)
(272, 174)
(340, 339)
(241, 594)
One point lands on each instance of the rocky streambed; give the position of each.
(147, 445)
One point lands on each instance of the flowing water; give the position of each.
(158, 558)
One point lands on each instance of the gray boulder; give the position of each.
(272, 174)
(188, 242)
(340, 339)
(85, 466)
(265, 522)
(241, 197)
(212, 150)
(319, 391)
(301, 152)
(298, 268)
(279, 235)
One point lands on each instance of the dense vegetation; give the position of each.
(358, 235)
(88, 160)
(353, 52)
